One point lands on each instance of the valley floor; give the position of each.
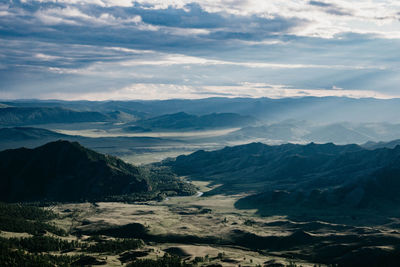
(210, 219)
(210, 231)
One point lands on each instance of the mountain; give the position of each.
(375, 145)
(345, 133)
(182, 120)
(306, 131)
(27, 133)
(336, 133)
(314, 176)
(42, 115)
(379, 131)
(281, 132)
(65, 171)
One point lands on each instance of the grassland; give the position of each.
(201, 231)
(210, 220)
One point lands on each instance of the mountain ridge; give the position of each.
(315, 176)
(313, 108)
(182, 120)
(42, 115)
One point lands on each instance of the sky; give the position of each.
(163, 49)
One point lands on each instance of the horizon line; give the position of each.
(194, 99)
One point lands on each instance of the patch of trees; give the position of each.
(39, 244)
(27, 219)
(115, 246)
(167, 260)
(23, 251)
(18, 257)
(26, 212)
(165, 181)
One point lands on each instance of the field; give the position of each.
(209, 219)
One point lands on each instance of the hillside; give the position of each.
(313, 176)
(65, 171)
(42, 115)
(182, 120)
(27, 133)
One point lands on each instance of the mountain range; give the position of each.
(316, 109)
(306, 131)
(43, 115)
(313, 176)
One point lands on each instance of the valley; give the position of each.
(137, 188)
(209, 230)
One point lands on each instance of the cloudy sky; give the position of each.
(160, 49)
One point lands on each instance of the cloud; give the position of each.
(331, 8)
(320, 4)
(198, 48)
(74, 16)
(177, 59)
(151, 91)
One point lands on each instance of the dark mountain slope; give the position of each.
(27, 133)
(313, 176)
(65, 171)
(42, 115)
(259, 162)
